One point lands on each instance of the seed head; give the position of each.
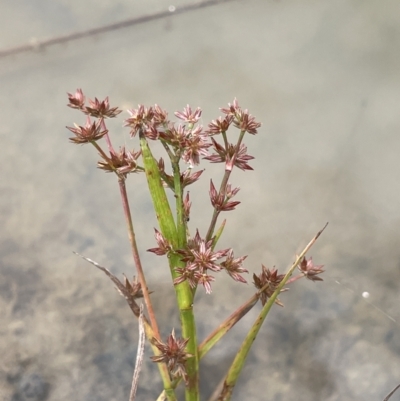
(76, 100)
(270, 279)
(188, 177)
(220, 200)
(173, 354)
(140, 119)
(310, 270)
(160, 116)
(134, 288)
(232, 109)
(241, 118)
(124, 162)
(101, 109)
(234, 267)
(88, 133)
(226, 155)
(189, 116)
(220, 125)
(163, 245)
(246, 122)
(190, 143)
(199, 258)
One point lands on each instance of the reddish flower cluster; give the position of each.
(241, 118)
(188, 142)
(188, 177)
(89, 133)
(123, 162)
(234, 266)
(97, 108)
(220, 125)
(309, 270)
(199, 258)
(221, 200)
(134, 288)
(267, 282)
(173, 354)
(163, 245)
(230, 154)
(188, 116)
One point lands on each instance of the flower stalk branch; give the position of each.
(238, 363)
(136, 258)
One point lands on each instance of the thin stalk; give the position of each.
(153, 322)
(238, 362)
(226, 325)
(180, 215)
(106, 137)
(391, 393)
(136, 258)
(218, 234)
(224, 182)
(105, 157)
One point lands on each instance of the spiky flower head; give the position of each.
(90, 132)
(267, 282)
(123, 162)
(310, 270)
(173, 354)
(235, 266)
(230, 156)
(97, 108)
(163, 245)
(241, 118)
(101, 109)
(199, 257)
(189, 116)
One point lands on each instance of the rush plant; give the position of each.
(193, 258)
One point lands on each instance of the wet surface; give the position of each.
(325, 81)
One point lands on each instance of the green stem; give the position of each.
(238, 362)
(185, 304)
(183, 290)
(185, 295)
(214, 337)
(226, 325)
(180, 215)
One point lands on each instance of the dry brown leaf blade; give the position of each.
(139, 356)
(124, 291)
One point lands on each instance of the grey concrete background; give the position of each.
(324, 79)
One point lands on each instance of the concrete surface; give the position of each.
(323, 77)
